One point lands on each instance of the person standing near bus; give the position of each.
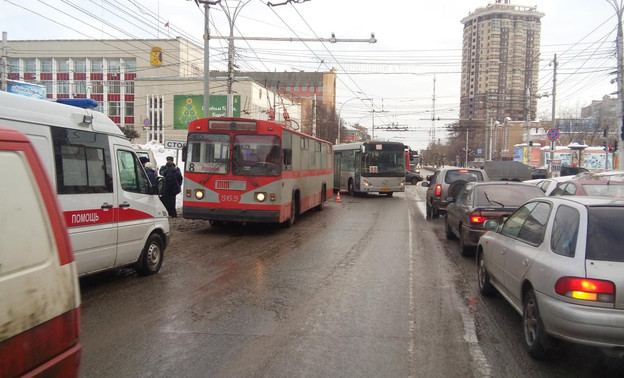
(173, 185)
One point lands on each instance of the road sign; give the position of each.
(552, 134)
(175, 144)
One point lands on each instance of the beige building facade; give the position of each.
(138, 83)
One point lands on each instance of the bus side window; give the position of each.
(287, 158)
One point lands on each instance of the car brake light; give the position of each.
(586, 289)
(477, 219)
(463, 171)
(438, 190)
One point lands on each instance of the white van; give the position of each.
(113, 214)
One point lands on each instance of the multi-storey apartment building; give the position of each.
(500, 63)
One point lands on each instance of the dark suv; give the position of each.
(446, 182)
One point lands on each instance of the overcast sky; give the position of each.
(415, 40)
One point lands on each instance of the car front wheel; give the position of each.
(151, 257)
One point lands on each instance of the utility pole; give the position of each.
(433, 110)
(5, 63)
(207, 5)
(554, 126)
(619, 9)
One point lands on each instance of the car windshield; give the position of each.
(604, 190)
(604, 234)
(506, 195)
(462, 174)
(257, 155)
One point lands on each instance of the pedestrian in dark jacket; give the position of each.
(173, 186)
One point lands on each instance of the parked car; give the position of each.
(477, 202)
(445, 182)
(539, 173)
(413, 177)
(568, 170)
(39, 291)
(559, 261)
(602, 188)
(548, 185)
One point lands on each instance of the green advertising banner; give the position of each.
(187, 108)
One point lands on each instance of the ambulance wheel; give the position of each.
(151, 258)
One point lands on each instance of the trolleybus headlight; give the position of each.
(199, 194)
(260, 196)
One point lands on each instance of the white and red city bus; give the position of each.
(247, 170)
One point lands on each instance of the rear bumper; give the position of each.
(231, 215)
(472, 236)
(594, 326)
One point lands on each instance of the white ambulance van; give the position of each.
(113, 215)
(39, 292)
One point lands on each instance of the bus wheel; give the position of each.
(351, 188)
(321, 205)
(293, 214)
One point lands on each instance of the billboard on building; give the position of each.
(26, 89)
(187, 108)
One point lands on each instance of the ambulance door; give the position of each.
(85, 190)
(136, 206)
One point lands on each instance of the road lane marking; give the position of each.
(412, 323)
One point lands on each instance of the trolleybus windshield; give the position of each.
(257, 155)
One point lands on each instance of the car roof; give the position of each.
(588, 200)
(516, 183)
(597, 182)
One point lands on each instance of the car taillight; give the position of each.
(477, 219)
(438, 190)
(586, 289)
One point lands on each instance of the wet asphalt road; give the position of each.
(367, 287)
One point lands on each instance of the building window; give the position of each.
(30, 65)
(80, 65)
(113, 66)
(97, 87)
(62, 86)
(113, 87)
(129, 87)
(13, 65)
(114, 108)
(81, 87)
(62, 65)
(129, 109)
(46, 65)
(48, 85)
(97, 65)
(130, 65)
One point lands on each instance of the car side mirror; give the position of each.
(424, 183)
(490, 225)
(450, 199)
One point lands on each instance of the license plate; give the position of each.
(384, 190)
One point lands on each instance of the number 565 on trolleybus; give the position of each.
(370, 167)
(246, 170)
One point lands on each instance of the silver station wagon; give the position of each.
(559, 261)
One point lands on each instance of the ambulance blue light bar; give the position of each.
(85, 103)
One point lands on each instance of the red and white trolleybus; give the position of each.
(246, 170)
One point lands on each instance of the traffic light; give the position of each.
(611, 148)
(615, 146)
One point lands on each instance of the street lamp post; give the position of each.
(340, 112)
